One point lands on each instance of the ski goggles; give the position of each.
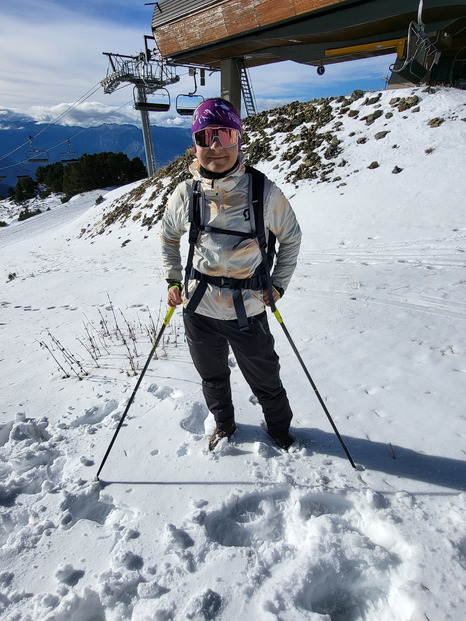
(226, 136)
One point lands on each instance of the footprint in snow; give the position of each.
(331, 567)
(183, 450)
(85, 504)
(161, 392)
(177, 539)
(195, 422)
(316, 504)
(128, 560)
(96, 414)
(249, 520)
(205, 605)
(262, 516)
(29, 458)
(66, 574)
(338, 569)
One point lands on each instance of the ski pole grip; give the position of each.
(168, 316)
(277, 315)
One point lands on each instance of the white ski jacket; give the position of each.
(227, 206)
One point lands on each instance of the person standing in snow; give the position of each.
(229, 308)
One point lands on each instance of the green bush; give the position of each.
(25, 189)
(25, 214)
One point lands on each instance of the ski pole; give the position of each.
(131, 399)
(280, 321)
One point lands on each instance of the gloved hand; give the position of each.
(174, 293)
(277, 294)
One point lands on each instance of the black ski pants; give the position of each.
(208, 341)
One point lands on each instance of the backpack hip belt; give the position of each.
(256, 282)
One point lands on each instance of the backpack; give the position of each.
(261, 277)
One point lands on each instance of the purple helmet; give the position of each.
(215, 111)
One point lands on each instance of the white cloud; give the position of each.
(56, 55)
(58, 59)
(88, 113)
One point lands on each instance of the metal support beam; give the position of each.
(230, 83)
(146, 133)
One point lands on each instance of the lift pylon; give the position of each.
(148, 72)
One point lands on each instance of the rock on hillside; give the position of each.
(329, 140)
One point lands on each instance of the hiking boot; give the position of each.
(219, 434)
(283, 441)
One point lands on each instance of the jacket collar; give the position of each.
(226, 183)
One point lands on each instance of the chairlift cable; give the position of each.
(89, 93)
(60, 143)
(84, 129)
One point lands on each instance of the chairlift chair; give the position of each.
(68, 157)
(161, 105)
(36, 156)
(420, 54)
(186, 103)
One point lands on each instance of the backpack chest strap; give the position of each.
(214, 229)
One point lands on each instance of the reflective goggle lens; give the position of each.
(226, 136)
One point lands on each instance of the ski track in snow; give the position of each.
(174, 532)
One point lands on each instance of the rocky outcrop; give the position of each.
(303, 139)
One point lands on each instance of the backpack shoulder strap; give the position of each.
(266, 248)
(194, 218)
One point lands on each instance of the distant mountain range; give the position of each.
(169, 143)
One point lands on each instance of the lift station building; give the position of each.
(427, 36)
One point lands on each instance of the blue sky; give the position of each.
(52, 56)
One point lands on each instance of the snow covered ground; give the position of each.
(173, 532)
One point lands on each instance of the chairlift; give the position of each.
(69, 157)
(36, 156)
(186, 103)
(421, 54)
(161, 104)
(23, 174)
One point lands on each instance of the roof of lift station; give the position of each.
(205, 32)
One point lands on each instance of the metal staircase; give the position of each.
(246, 88)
